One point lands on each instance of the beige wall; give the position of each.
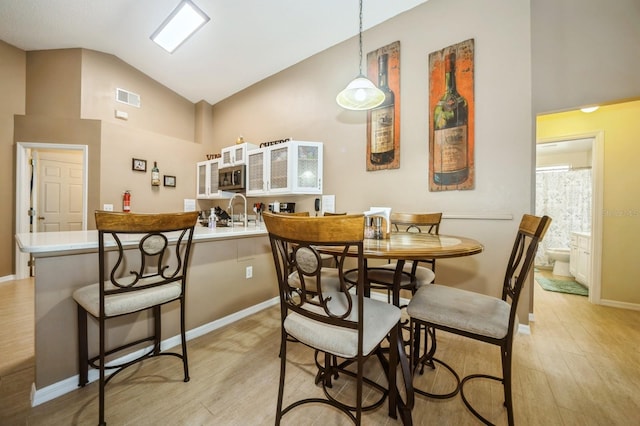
(53, 83)
(162, 111)
(621, 208)
(12, 101)
(300, 103)
(584, 52)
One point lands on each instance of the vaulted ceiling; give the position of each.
(244, 42)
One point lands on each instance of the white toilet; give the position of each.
(561, 258)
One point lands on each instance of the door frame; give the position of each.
(23, 170)
(597, 205)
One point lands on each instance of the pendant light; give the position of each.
(361, 94)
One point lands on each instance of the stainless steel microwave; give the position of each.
(232, 178)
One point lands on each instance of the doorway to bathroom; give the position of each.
(568, 189)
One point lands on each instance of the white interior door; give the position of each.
(26, 193)
(60, 192)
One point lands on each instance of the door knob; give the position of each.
(40, 217)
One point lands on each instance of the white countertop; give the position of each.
(50, 243)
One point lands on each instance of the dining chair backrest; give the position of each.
(296, 243)
(153, 261)
(416, 222)
(530, 232)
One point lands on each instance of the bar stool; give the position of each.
(143, 261)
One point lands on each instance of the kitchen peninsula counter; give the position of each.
(218, 292)
(44, 244)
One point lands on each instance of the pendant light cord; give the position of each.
(360, 38)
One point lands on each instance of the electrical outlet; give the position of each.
(249, 272)
(107, 207)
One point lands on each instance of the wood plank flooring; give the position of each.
(579, 366)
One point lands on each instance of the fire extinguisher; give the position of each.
(126, 202)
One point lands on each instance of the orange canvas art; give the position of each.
(451, 118)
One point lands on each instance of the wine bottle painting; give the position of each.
(451, 118)
(383, 121)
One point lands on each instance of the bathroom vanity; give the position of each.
(580, 258)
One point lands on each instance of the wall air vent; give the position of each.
(128, 98)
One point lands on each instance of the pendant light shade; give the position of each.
(361, 94)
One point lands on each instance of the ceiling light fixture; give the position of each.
(361, 94)
(185, 20)
(590, 109)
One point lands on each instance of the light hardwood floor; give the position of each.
(579, 366)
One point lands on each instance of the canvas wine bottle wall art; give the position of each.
(451, 118)
(383, 121)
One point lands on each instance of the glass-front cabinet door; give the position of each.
(279, 179)
(214, 166)
(207, 178)
(236, 154)
(256, 172)
(202, 191)
(308, 168)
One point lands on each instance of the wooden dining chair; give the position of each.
(414, 274)
(330, 319)
(143, 260)
(477, 316)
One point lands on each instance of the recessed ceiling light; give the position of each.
(185, 20)
(589, 109)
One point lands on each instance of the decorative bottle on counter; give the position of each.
(382, 119)
(155, 175)
(450, 163)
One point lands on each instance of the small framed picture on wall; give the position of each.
(138, 165)
(169, 181)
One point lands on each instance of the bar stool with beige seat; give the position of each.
(477, 316)
(143, 261)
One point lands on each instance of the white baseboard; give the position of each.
(617, 304)
(7, 278)
(39, 396)
(524, 329)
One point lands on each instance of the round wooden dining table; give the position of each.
(403, 246)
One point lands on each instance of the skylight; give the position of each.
(185, 20)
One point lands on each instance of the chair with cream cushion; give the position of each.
(143, 262)
(480, 317)
(414, 275)
(327, 318)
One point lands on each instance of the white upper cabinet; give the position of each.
(236, 154)
(293, 167)
(207, 180)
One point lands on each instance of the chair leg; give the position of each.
(102, 380)
(157, 329)
(183, 335)
(283, 366)
(506, 382)
(393, 366)
(83, 351)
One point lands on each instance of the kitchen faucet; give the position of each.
(237, 194)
